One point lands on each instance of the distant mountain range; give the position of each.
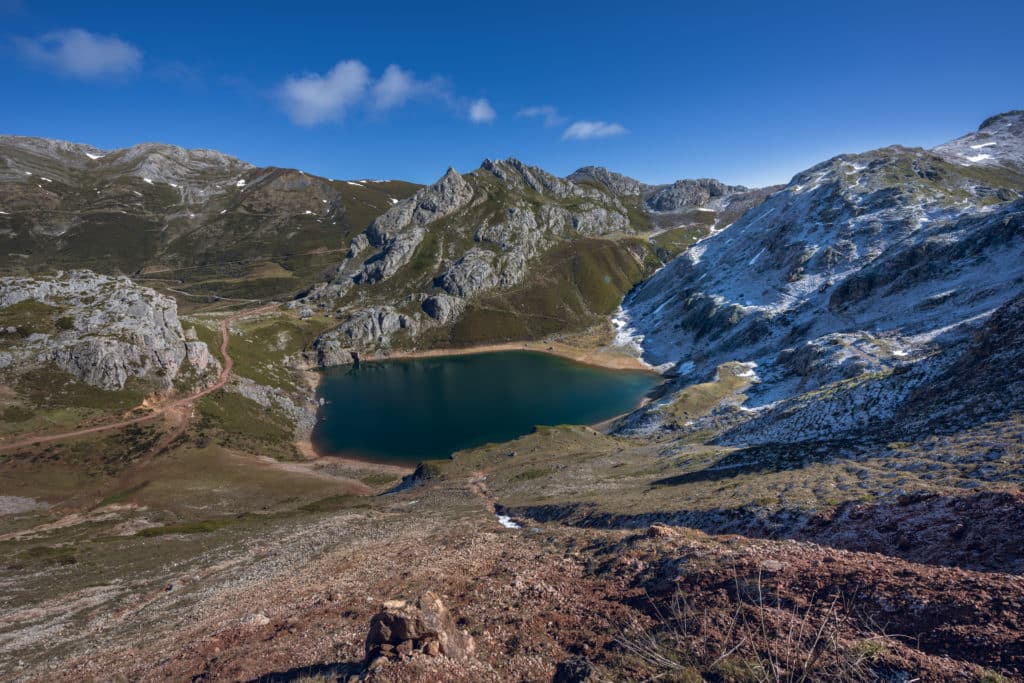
(190, 215)
(399, 264)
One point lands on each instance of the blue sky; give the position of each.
(747, 92)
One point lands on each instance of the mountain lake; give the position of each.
(407, 410)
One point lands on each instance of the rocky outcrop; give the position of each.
(442, 307)
(472, 273)
(425, 626)
(615, 182)
(300, 413)
(597, 220)
(688, 194)
(399, 231)
(364, 329)
(101, 330)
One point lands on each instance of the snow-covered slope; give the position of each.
(996, 143)
(863, 265)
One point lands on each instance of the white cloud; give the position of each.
(586, 130)
(546, 112)
(481, 111)
(313, 98)
(79, 53)
(397, 86)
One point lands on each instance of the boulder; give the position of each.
(402, 627)
(442, 307)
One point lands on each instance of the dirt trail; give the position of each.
(184, 404)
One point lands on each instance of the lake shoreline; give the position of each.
(600, 357)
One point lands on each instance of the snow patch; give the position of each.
(45, 179)
(148, 180)
(240, 183)
(757, 256)
(927, 337)
(983, 145)
(94, 157)
(308, 212)
(352, 183)
(977, 157)
(392, 200)
(749, 372)
(626, 335)
(507, 522)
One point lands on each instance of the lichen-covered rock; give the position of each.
(330, 352)
(102, 330)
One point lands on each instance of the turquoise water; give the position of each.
(424, 408)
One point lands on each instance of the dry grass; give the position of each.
(760, 641)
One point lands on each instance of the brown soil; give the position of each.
(604, 357)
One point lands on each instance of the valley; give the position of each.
(825, 483)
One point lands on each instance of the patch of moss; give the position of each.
(29, 317)
(237, 415)
(337, 503)
(200, 527)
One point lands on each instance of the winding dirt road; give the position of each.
(184, 404)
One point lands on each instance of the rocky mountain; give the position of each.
(450, 264)
(996, 144)
(506, 252)
(100, 330)
(198, 217)
(844, 292)
(727, 202)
